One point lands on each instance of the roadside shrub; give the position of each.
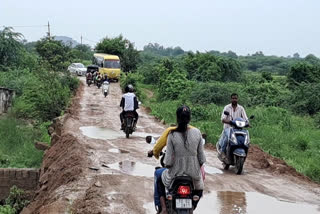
(199, 112)
(317, 119)
(17, 199)
(173, 85)
(217, 93)
(301, 143)
(6, 209)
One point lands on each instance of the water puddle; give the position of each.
(212, 170)
(244, 203)
(133, 168)
(114, 150)
(100, 133)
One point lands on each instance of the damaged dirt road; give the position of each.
(92, 168)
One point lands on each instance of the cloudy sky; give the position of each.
(276, 27)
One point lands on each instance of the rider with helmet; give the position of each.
(129, 102)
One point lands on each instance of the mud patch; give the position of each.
(119, 151)
(100, 133)
(244, 203)
(133, 168)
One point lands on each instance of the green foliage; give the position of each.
(173, 85)
(267, 76)
(207, 67)
(55, 55)
(156, 49)
(6, 209)
(17, 143)
(214, 92)
(303, 72)
(304, 98)
(317, 119)
(123, 48)
(10, 47)
(17, 199)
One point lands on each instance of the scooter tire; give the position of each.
(239, 164)
(127, 132)
(225, 166)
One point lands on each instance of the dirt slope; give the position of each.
(93, 168)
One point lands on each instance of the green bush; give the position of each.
(17, 199)
(173, 85)
(317, 119)
(6, 209)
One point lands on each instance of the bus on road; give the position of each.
(108, 64)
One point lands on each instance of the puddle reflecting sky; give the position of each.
(212, 170)
(133, 168)
(100, 133)
(244, 203)
(115, 150)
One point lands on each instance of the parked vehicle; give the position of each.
(77, 68)
(180, 195)
(129, 123)
(238, 143)
(105, 88)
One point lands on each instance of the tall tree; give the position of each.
(10, 46)
(123, 48)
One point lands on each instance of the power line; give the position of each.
(26, 26)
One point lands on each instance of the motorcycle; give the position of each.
(89, 82)
(129, 123)
(105, 88)
(98, 83)
(181, 194)
(238, 143)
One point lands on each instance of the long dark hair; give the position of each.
(183, 118)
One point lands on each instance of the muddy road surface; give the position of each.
(93, 168)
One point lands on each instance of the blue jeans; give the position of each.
(157, 176)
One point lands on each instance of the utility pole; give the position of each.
(49, 30)
(81, 39)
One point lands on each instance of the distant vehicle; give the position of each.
(77, 68)
(108, 64)
(92, 68)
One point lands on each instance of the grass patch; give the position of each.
(277, 131)
(17, 143)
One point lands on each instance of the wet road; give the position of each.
(119, 178)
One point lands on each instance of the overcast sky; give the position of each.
(276, 27)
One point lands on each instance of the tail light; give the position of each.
(184, 190)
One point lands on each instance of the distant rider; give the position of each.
(235, 111)
(129, 102)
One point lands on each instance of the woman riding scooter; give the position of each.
(184, 156)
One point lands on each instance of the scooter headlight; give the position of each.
(234, 139)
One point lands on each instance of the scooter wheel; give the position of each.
(225, 166)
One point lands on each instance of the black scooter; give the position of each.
(129, 123)
(180, 196)
(238, 143)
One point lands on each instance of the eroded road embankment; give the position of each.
(93, 168)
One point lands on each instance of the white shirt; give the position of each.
(233, 114)
(129, 101)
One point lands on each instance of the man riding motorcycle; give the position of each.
(129, 102)
(235, 111)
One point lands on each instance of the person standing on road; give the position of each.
(235, 111)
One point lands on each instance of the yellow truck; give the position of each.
(108, 64)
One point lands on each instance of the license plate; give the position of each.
(183, 203)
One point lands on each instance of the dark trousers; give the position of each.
(123, 113)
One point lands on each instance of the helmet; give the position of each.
(129, 88)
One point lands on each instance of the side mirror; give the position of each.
(251, 117)
(226, 113)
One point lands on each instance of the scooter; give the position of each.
(238, 143)
(180, 196)
(105, 88)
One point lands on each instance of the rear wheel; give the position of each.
(225, 166)
(239, 164)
